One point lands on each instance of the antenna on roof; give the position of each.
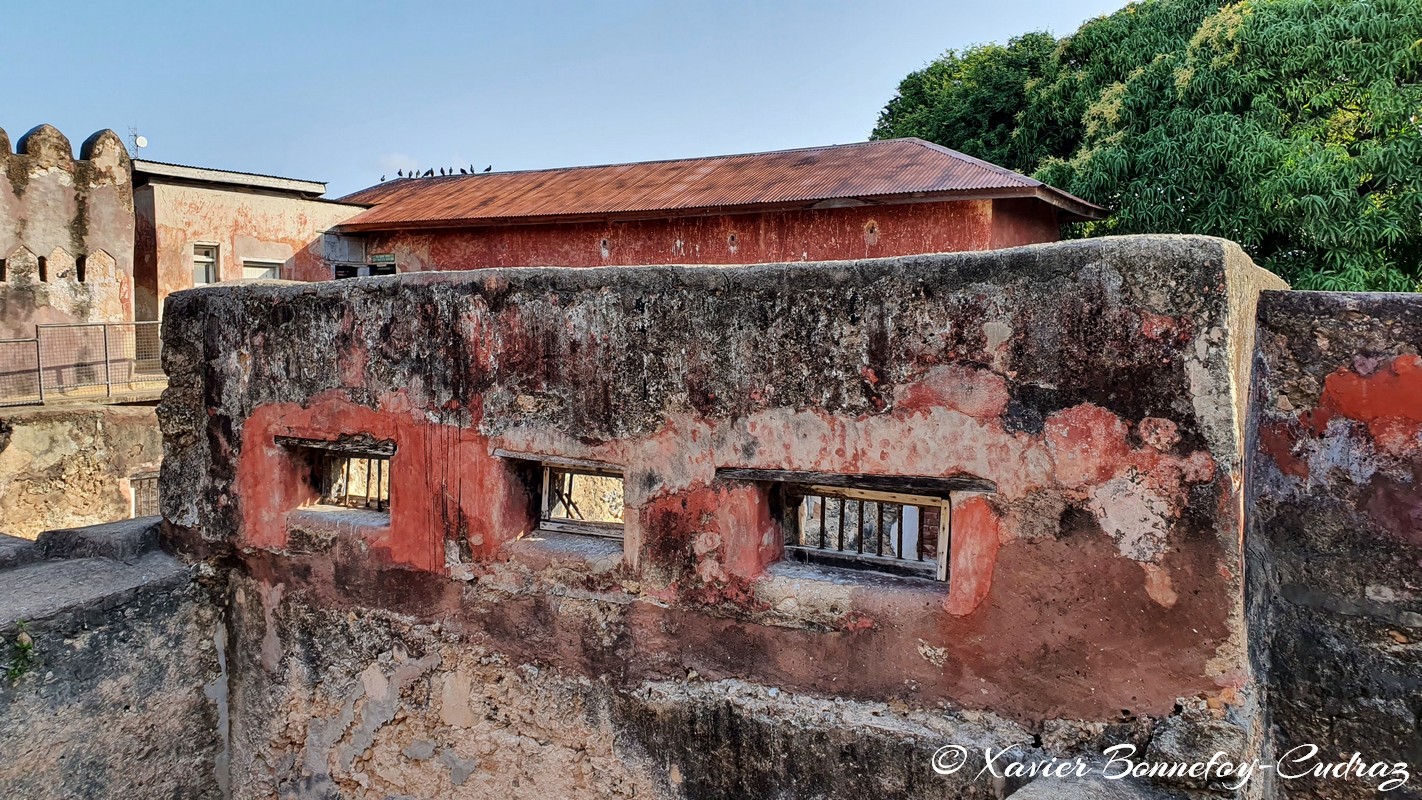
(136, 140)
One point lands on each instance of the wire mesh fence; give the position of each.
(81, 360)
(19, 372)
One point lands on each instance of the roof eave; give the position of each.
(1072, 208)
(220, 177)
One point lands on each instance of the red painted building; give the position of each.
(883, 198)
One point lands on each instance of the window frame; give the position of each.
(787, 489)
(539, 483)
(263, 263)
(134, 482)
(796, 494)
(214, 264)
(546, 503)
(316, 452)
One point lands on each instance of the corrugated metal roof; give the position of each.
(888, 170)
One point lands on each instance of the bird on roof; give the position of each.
(400, 173)
(428, 173)
(441, 171)
(489, 168)
(382, 179)
(463, 171)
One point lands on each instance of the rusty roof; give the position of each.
(887, 171)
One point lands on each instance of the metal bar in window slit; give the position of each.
(368, 470)
(381, 495)
(922, 528)
(842, 515)
(823, 501)
(859, 540)
(899, 551)
(879, 531)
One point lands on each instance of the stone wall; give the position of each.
(1091, 393)
(111, 681)
(58, 209)
(73, 465)
(1336, 529)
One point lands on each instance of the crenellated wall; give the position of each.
(57, 212)
(1086, 399)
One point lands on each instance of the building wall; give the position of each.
(1336, 528)
(782, 236)
(61, 208)
(70, 466)
(243, 225)
(1096, 593)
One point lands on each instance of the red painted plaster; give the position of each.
(976, 536)
(1087, 443)
(795, 235)
(1278, 440)
(1388, 400)
(442, 479)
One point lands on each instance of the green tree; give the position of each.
(1293, 127)
(1102, 53)
(969, 100)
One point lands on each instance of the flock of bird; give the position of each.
(429, 173)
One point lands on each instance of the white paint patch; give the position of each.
(1134, 516)
(937, 656)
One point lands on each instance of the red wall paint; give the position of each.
(473, 491)
(801, 235)
(975, 541)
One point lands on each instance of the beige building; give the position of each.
(197, 226)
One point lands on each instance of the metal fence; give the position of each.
(81, 361)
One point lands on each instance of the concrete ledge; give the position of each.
(97, 585)
(1091, 787)
(121, 541)
(16, 552)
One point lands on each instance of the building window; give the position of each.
(43, 269)
(350, 473)
(261, 270)
(144, 492)
(204, 264)
(902, 534)
(581, 500)
(363, 270)
(885, 523)
(80, 264)
(351, 481)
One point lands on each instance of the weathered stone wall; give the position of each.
(110, 670)
(1096, 592)
(1336, 529)
(73, 465)
(61, 209)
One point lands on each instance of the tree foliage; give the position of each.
(1291, 126)
(1102, 53)
(970, 98)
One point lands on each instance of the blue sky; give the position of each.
(346, 91)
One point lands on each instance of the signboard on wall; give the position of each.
(382, 258)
